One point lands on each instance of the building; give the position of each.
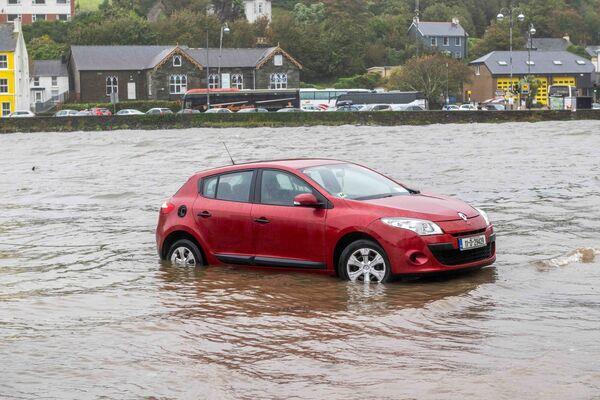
(167, 72)
(491, 73)
(36, 10)
(446, 37)
(14, 69)
(257, 9)
(594, 52)
(550, 44)
(49, 84)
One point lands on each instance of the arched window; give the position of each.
(112, 85)
(213, 81)
(177, 61)
(278, 81)
(177, 84)
(237, 81)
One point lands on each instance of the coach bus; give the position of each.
(562, 97)
(324, 99)
(236, 99)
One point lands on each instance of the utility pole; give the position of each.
(416, 22)
(207, 74)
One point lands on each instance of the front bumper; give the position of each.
(410, 253)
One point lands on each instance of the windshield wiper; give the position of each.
(376, 196)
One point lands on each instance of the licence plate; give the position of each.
(471, 242)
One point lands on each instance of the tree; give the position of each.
(44, 48)
(431, 75)
(313, 13)
(364, 81)
(497, 37)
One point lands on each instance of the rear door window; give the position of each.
(209, 188)
(235, 186)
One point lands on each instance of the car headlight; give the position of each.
(484, 215)
(419, 226)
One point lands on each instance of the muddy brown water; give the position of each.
(87, 311)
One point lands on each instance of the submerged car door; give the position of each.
(223, 215)
(286, 235)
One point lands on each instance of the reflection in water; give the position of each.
(86, 311)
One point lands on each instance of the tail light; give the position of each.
(167, 207)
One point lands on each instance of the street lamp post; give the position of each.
(207, 74)
(224, 29)
(511, 11)
(447, 85)
(530, 47)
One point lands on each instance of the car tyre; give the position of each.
(364, 261)
(185, 253)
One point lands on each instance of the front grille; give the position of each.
(447, 255)
(469, 233)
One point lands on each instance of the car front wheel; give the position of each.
(185, 253)
(364, 261)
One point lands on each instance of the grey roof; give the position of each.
(97, 58)
(441, 29)
(593, 50)
(49, 68)
(545, 62)
(231, 57)
(8, 40)
(550, 44)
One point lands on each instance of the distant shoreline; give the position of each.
(153, 122)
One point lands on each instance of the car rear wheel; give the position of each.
(364, 261)
(185, 253)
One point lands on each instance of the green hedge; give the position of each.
(142, 105)
(174, 121)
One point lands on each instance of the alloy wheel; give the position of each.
(366, 265)
(183, 257)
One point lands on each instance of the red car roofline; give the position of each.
(280, 163)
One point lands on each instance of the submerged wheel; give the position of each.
(185, 253)
(364, 261)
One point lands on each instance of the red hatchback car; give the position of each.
(324, 215)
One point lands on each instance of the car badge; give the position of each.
(462, 216)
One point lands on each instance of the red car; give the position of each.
(323, 215)
(100, 111)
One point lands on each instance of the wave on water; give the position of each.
(580, 255)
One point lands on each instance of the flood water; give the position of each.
(87, 310)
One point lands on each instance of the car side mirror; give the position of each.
(306, 200)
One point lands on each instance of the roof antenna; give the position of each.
(228, 153)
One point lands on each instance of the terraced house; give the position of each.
(167, 72)
(14, 69)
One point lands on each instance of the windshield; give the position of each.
(353, 182)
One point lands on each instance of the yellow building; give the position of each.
(14, 69)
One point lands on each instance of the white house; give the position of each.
(35, 10)
(49, 84)
(256, 9)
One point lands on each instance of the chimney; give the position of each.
(17, 23)
(455, 21)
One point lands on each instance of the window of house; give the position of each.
(150, 87)
(237, 81)
(278, 59)
(63, 17)
(580, 62)
(457, 54)
(13, 2)
(3, 61)
(12, 17)
(457, 41)
(39, 1)
(112, 85)
(557, 62)
(3, 85)
(38, 17)
(177, 84)
(260, 8)
(530, 62)
(213, 81)
(54, 81)
(177, 61)
(54, 94)
(5, 109)
(36, 81)
(503, 63)
(477, 70)
(434, 41)
(278, 81)
(61, 1)
(446, 41)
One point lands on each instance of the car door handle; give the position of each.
(262, 220)
(204, 214)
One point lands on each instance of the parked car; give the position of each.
(159, 111)
(129, 111)
(188, 111)
(218, 111)
(65, 113)
(21, 114)
(467, 107)
(289, 109)
(348, 108)
(376, 107)
(311, 108)
(84, 113)
(493, 107)
(98, 111)
(330, 216)
(414, 108)
(253, 110)
(595, 106)
(450, 107)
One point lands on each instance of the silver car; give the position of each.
(129, 111)
(65, 113)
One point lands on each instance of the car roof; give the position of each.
(290, 163)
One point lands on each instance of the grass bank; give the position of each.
(53, 124)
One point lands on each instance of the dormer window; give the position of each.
(529, 62)
(503, 63)
(177, 61)
(557, 62)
